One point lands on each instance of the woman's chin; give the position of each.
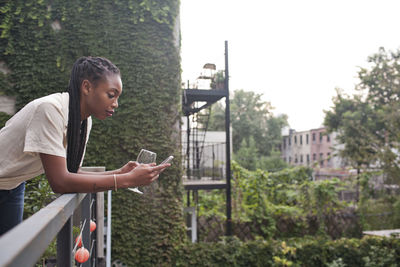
(102, 117)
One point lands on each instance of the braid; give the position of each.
(93, 69)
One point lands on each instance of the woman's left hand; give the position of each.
(128, 167)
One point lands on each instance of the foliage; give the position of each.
(368, 251)
(247, 154)
(272, 163)
(218, 80)
(39, 42)
(3, 119)
(38, 194)
(382, 213)
(282, 204)
(249, 158)
(217, 117)
(251, 118)
(256, 132)
(368, 123)
(325, 200)
(352, 119)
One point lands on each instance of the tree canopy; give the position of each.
(368, 122)
(255, 130)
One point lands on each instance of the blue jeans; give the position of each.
(11, 207)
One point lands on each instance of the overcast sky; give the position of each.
(294, 52)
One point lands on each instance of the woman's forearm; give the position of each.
(63, 181)
(117, 171)
(84, 182)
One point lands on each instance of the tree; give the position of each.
(382, 82)
(352, 119)
(250, 117)
(368, 123)
(247, 154)
(274, 133)
(217, 117)
(272, 163)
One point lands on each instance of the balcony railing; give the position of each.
(25, 243)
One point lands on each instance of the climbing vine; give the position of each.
(40, 40)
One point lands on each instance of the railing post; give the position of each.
(97, 214)
(64, 245)
(100, 258)
(86, 240)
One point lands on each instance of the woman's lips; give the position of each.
(109, 113)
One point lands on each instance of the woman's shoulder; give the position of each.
(54, 103)
(57, 99)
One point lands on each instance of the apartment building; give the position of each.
(314, 148)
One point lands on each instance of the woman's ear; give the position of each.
(86, 87)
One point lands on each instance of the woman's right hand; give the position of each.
(145, 174)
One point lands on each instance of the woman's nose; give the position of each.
(115, 104)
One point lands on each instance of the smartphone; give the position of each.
(167, 160)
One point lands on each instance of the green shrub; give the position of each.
(369, 251)
(282, 204)
(38, 194)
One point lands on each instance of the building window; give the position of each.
(328, 138)
(313, 137)
(284, 143)
(321, 159)
(295, 158)
(307, 139)
(314, 157)
(295, 139)
(308, 158)
(301, 158)
(290, 141)
(328, 158)
(301, 139)
(290, 159)
(320, 137)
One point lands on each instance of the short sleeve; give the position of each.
(44, 133)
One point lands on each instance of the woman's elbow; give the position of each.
(57, 185)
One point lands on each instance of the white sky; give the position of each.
(294, 52)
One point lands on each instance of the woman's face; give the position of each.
(100, 100)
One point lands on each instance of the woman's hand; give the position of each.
(128, 167)
(145, 174)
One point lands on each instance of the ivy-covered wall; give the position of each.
(40, 40)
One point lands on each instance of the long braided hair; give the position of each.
(92, 69)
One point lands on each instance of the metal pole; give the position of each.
(64, 245)
(93, 249)
(228, 148)
(86, 240)
(108, 255)
(213, 165)
(188, 149)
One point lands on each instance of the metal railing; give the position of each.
(210, 165)
(24, 244)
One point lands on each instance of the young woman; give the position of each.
(49, 135)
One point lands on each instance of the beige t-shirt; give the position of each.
(39, 127)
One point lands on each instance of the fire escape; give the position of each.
(200, 157)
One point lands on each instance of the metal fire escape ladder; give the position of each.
(199, 130)
(196, 105)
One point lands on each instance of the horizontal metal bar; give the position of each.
(24, 244)
(204, 186)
